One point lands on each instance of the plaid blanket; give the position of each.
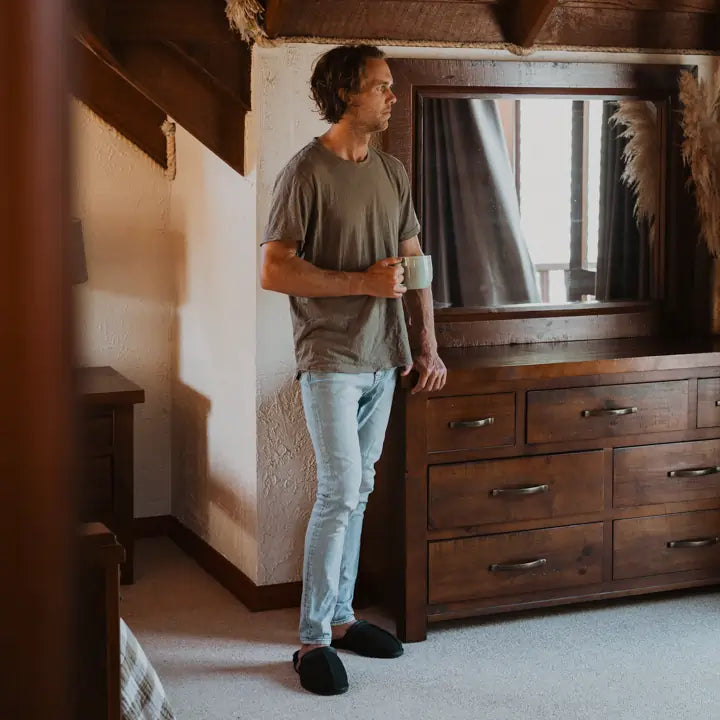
(141, 694)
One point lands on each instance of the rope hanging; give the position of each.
(168, 129)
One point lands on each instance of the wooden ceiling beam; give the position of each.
(695, 6)
(227, 65)
(525, 19)
(117, 102)
(375, 20)
(666, 25)
(178, 21)
(214, 117)
(631, 29)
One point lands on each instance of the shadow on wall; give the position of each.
(205, 501)
(127, 261)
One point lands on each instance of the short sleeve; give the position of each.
(290, 210)
(409, 225)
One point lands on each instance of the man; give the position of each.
(341, 218)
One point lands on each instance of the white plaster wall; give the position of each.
(285, 462)
(286, 121)
(124, 311)
(212, 230)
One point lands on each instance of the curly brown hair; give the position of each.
(341, 68)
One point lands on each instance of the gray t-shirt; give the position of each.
(346, 216)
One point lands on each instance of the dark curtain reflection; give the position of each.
(623, 248)
(470, 212)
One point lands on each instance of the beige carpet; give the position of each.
(654, 659)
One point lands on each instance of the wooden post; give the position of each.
(36, 528)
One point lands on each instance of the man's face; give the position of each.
(369, 109)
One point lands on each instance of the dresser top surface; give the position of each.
(101, 385)
(580, 357)
(645, 351)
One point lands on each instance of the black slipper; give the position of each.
(321, 671)
(369, 640)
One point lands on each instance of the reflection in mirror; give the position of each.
(528, 201)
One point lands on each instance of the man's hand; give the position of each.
(431, 369)
(384, 279)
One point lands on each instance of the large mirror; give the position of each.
(538, 199)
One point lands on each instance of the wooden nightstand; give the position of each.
(108, 401)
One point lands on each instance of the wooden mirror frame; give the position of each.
(675, 286)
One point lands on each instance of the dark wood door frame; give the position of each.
(36, 529)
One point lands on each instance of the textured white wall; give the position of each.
(212, 230)
(286, 122)
(285, 462)
(124, 311)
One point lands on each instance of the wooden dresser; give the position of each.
(554, 473)
(108, 401)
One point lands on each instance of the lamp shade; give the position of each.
(78, 266)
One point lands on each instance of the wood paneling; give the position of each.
(227, 65)
(693, 6)
(414, 20)
(525, 19)
(192, 21)
(651, 24)
(603, 27)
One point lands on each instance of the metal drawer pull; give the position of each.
(528, 490)
(695, 472)
(530, 565)
(699, 542)
(717, 403)
(609, 411)
(459, 424)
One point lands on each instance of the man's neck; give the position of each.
(349, 142)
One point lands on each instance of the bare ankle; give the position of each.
(307, 648)
(339, 631)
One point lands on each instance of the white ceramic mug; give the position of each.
(418, 271)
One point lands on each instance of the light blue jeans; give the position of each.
(347, 416)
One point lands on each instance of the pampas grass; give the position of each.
(701, 151)
(641, 155)
(245, 17)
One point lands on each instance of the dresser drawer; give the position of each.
(666, 544)
(98, 433)
(708, 411)
(606, 411)
(514, 563)
(526, 488)
(98, 488)
(471, 421)
(666, 473)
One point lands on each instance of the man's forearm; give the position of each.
(421, 327)
(300, 278)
